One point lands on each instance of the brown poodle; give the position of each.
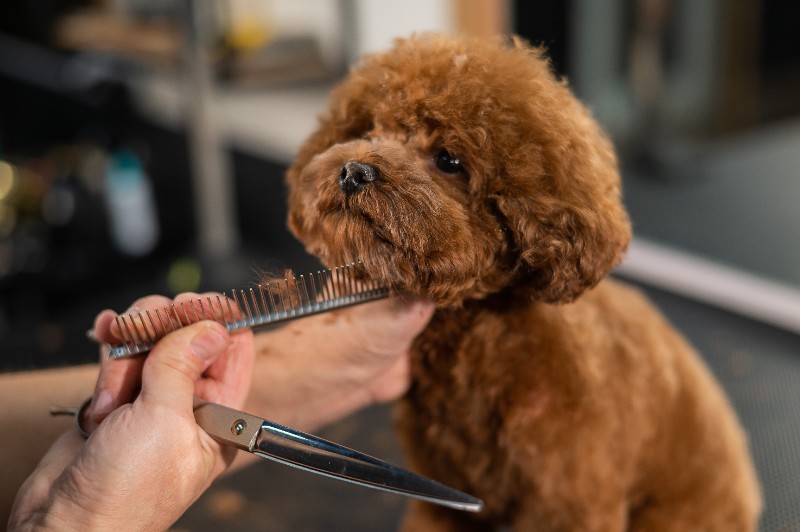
(465, 171)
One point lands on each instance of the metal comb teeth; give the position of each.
(265, 305)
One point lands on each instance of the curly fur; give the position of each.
(565, 404)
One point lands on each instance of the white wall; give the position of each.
(346, 28)
(378, 22)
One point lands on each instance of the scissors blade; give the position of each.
(311, 453)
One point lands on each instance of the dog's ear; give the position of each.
(566, 252)
(562, 207)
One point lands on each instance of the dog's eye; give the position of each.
(447, 163)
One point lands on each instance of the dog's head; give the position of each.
(456, 169)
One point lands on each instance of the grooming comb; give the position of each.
(265, 305)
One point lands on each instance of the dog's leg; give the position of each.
(423, 517)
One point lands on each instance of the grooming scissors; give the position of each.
(310, 453)
(316, 455)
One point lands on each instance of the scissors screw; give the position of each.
(238, 427)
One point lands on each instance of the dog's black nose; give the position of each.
(356, 175)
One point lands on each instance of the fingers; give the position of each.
(152, 317)
(228, 380)
(389, 325)
(191, 307)
(105, 327)
(390, 384)
(117, 384)
(119, 380)
(178, 360)
(404, 311)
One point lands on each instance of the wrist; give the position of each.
(57, 515)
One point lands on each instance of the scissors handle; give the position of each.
(228, 426)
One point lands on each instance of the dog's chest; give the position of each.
(453, 414)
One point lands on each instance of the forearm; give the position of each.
(25, 420)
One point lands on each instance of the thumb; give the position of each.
(179, 359)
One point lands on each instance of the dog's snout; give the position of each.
(356, 175)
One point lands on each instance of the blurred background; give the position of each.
(143, 145)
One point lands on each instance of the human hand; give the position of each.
(314, 371)
(147, 461)
(225, 381)
(308, 372)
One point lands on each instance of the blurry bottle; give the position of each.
(131, 205)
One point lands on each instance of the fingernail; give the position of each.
(208, 343)
(102, 405)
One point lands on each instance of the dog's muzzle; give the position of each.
(356, 175)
